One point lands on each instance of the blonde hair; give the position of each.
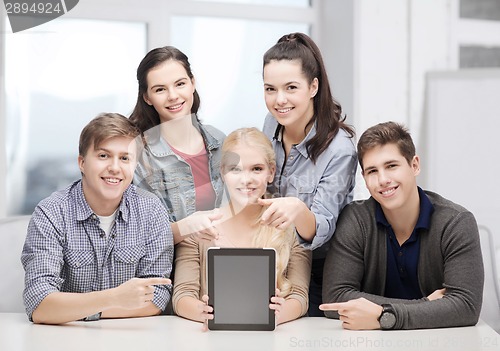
(280, 240)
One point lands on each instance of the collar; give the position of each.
(302, 146)
(160, 148)
(424, 217)
(83, 210)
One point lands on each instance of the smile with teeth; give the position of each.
(284, 110)
(112, 180)
(175, 107)
(246, 190)
(388, 191)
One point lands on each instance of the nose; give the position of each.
(383, 178)
(114, 165)
(281, 98)
(246, 177)
(172, 94)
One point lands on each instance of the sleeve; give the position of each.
(158, 260)
(42, 259)
(463, 280)
(187, 270)
(299, 274)
(332, 193)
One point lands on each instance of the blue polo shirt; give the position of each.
(402, 261)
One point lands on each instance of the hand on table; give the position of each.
(137, 292)
(357, 314)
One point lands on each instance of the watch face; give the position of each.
(387, 320)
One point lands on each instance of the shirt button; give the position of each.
(291, 157)
(400, 254)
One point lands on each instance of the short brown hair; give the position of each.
(386, 133)
(104, 127)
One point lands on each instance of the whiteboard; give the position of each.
(461, 159)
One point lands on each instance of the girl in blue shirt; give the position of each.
(315, 153)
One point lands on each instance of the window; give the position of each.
(479, 34)
(228, 67)
(58, 78)
(480, 9)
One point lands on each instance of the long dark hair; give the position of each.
(145, 116)
(327, 111)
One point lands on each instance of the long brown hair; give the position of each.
(327, 111)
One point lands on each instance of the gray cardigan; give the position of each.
(450, 257)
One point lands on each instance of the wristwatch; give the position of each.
(94, 317)
(387, 318)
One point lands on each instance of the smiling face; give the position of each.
(390, 179)
(288, 94)
(246, 173)
(170, 90)
(107, 171)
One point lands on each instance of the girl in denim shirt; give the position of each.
(181, 158)
(315, 154)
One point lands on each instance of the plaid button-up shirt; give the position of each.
(67, 251)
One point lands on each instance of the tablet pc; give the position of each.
(241, 282)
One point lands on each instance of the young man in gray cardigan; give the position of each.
(405, 258)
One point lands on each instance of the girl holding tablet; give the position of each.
(315, 154)
(247, 167)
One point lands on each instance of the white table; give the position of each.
(174, 333)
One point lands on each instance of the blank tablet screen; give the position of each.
(241, 283)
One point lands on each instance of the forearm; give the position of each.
(150, 310)
(188, 307)
(305, 223)
(63, 307)
(291, 310)
(449, 311)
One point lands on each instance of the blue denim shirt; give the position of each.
(169, 177)
(325, 186)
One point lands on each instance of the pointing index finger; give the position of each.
(330, 306)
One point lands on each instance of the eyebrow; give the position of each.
(110, 152)
(385, 164)
(162, 85)
(287, 83)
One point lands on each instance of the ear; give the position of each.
(415, 165)
(314, 87)
(271, 174)
(146, 100)
(81, 161)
